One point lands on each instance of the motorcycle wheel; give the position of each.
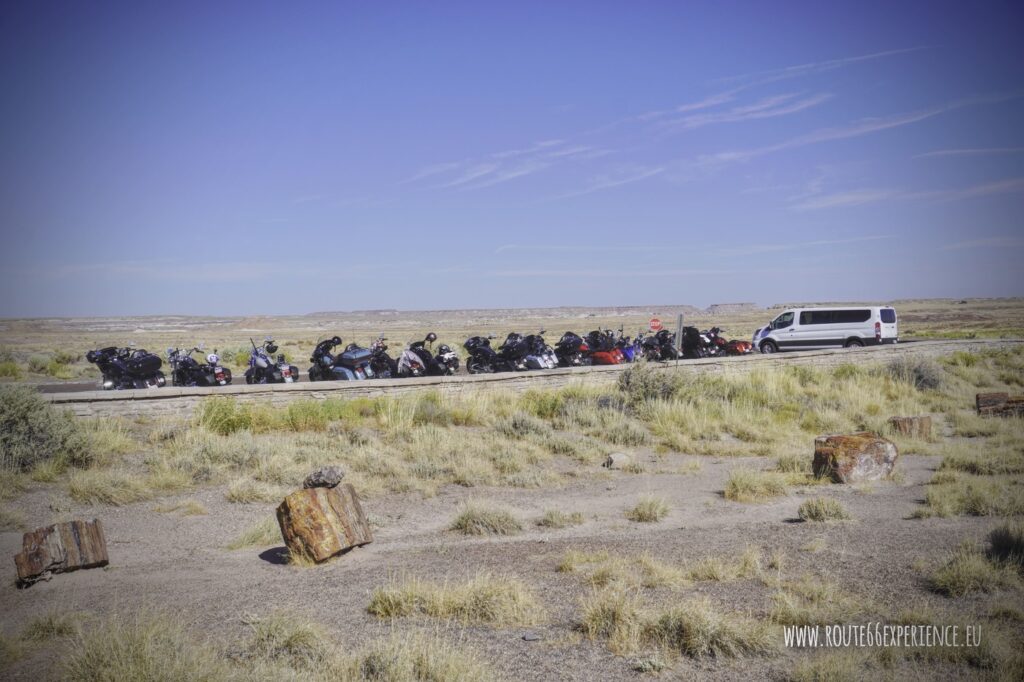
(475, 366)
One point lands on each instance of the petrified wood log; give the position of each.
(856, 457)
(61, 548)
(321, 522)
(999, 405)
(915, 427)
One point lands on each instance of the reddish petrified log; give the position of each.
(856, 457)
(999, 405)
(321, 522)
(915, 427)
(61, 548)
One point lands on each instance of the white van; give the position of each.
(811, 328)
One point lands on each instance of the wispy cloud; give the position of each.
(869, 196)
(543, 144)
(769, 107)
(518, 171)
(754, 249)
(618, 178)
(864, 126)
(706, 103)
(989, 151)
(599, 272)
(434, 169)
(503, 166)
(470, 174)
(851, 198)
(987, 243)
(812, 68)
(577, 248)
(1009, 186)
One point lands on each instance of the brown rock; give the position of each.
(999, 405)
(324, 477)
(855, 457)
(987, 403)
(617, 460)
(322, 522)
(61, 548)
(915, 427)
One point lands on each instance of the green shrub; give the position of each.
(143, 647)
(1007, 544)
(10, 370)
(642, 382)
(922, 373)
(223, 415)
(58, 370)
(649, 509)
(479, 519)
(37, 364)
(522, 424)
(32, 432)
(967, 571)
(822, 509)
(64, 358)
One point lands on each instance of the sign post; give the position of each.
(679, 338)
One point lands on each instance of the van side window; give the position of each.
(783, 321)
(888, 315)
(849, 316)
(815, 317)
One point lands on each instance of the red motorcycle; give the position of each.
(733, 347)
(603, 349)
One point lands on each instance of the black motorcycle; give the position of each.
(696, 345)
(351, 364)
(660, 346)
(382, 364)
(572, 351)
(127, 368)
(419, 359)
(264, 370)
(187, 371)
(510, 356)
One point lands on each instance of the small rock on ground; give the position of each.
(324, 477)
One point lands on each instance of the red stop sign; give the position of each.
(655, 324)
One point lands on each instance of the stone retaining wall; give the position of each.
(181, 402)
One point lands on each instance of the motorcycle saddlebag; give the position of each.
(535, 362)
(144, 363)
(356, 356)
(606, 357)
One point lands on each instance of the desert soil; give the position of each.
(179, 563)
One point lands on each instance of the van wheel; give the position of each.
(769, 347)
(854, 343)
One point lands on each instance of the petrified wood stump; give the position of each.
(61, 548)
(321, 522)
(915, 427)
(999, 405)
(856, 457)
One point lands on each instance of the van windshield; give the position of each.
(782, 321)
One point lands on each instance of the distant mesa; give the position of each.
(732, 308)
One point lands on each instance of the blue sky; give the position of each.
(219, 158)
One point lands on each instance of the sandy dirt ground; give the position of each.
(179, 563)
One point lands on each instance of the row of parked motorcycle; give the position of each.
(599, 347)
(137, 368)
